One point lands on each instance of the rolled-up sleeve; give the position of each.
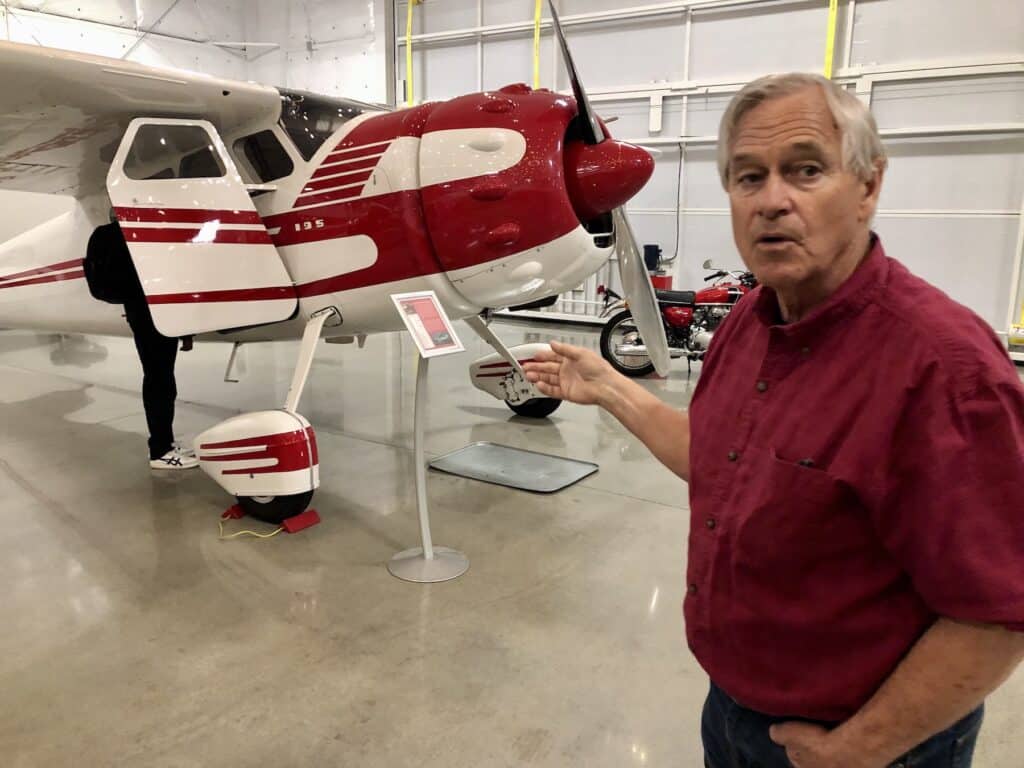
(950, 506)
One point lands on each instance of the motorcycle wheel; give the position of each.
(620, 329)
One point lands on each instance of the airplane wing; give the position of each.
(62, 114)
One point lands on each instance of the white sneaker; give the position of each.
(185, 449)
(174, 459)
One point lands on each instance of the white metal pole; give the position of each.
(480, 46)
(851, 18)
(420, 416)
(1017, 281)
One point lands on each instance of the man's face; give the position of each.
(796, 214)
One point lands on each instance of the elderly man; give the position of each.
(855, 455)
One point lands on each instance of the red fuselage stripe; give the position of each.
(42, 270)
(346, 166)
(347, 178)
(281, 293)
(337, 196)
(232, 236)
(45, 279)
(355, 152)
(185, 216)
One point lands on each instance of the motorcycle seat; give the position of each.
(687, 298)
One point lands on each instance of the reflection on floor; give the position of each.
(133, 637)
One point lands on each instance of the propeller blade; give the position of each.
(592, 131)
(636, 284)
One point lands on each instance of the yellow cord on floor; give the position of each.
(222, 537)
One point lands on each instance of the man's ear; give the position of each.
(870, 191)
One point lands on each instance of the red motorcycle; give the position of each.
(690, 319)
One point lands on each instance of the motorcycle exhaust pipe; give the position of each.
(640, 350)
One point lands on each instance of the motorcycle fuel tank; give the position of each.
(679, 317)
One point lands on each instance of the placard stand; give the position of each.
(428, 563)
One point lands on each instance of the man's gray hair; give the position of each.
(862, 146)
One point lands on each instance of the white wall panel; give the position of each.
(194, 19)
(702, 188)
(704, 236)
(921, 30)
(510, 60)
(704, 113)
(438, 16)
(656, 54)
(449, 71)
(970, 259)
(997, 99)
(965, 173)
(334, 47)
(508, 11)
(103, 40)
(744, 42)
(633, 118)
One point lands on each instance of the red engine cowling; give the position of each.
(679, 317)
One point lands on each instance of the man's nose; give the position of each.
(775, 200)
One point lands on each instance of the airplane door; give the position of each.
(202, 252)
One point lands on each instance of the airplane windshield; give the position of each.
(310, 120)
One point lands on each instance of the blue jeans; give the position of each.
(736, 737)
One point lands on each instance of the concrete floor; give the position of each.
(133, 637)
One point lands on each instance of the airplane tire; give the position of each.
(275, 509)
(537, 408)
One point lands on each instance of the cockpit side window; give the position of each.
(310, 120)
(264, 153)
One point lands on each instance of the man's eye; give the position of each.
(747, 178)
(808, 171)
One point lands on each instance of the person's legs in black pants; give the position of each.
(159, 391)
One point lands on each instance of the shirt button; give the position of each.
(762, 386)
(692, 589)
(710, 523)
(805, 351)
(733, 456)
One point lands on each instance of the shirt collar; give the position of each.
(851, 297)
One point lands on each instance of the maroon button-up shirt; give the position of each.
(854, 475)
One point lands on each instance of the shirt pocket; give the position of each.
(792, 516)
(788, 481)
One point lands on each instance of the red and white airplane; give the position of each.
(255, 213)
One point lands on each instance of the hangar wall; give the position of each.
(947, 87)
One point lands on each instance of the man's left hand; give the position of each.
(811, 746)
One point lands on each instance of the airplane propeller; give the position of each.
(636, 282)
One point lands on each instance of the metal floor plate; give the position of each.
(514, 467)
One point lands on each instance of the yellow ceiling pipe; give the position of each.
(408, 54)
(830, 39)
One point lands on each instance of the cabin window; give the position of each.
(159, 149)
(265, 156)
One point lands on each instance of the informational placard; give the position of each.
(427, 322)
